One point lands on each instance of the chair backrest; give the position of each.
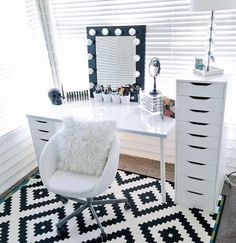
(49, 159)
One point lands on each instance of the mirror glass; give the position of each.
(115, 60)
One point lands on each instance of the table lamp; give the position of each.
(211, 5)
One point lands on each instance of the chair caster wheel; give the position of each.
(127, 206)
(103, 237)
(61, 231)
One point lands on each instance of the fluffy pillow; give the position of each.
(84, 145)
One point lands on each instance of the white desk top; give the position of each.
(130, 118)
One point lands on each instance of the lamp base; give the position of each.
(212, 71)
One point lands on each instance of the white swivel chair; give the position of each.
(79, 187)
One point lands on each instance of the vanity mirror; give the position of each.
(116, 55)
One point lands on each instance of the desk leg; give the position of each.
(163, 171)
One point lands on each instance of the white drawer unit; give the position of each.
(42, 129)
(199, 124)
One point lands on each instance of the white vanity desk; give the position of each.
(44, 121)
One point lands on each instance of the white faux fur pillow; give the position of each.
(84, 145)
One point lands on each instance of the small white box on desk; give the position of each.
(151, 103)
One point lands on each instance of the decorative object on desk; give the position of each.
(134, 93)
(115, 97)
(124, 93)
(55, 96)
(211, 5)
(125, 99)
(168, 107)
(151, 103)
(72, 96)
(154, 70)
(106, 95)
(157, 222)
(199, 63)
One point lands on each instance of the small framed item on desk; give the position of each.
(168, 107)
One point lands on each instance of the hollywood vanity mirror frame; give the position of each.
(138, 31)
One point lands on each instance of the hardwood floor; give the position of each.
(227, 232)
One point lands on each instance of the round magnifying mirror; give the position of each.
(136, 58)
(118, 31)
(136, 41)
(92, 32)
(105, 31)
(89, 42)
(132, 31)
(91, 71)
(90, 56)
(154, 70)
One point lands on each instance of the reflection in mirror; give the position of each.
(115, 64)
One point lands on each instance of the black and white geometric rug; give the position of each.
(30, 214)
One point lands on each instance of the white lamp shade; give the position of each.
(209, 5)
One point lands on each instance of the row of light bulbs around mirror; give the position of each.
(118, 31)
(105, 31)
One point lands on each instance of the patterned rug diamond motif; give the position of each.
(31, 213)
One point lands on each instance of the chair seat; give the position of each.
(71, 184)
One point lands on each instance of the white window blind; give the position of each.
(174, 35)
(24, 69)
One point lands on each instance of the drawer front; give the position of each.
(203, 89)
(198, 140)
(192, 200)
(42, 134)
(194, 169)
(199, 185)
(201, 129)
(42, 124)
(199, 155)
(199, 103)
(205, 116)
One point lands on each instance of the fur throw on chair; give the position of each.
(84, 145)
